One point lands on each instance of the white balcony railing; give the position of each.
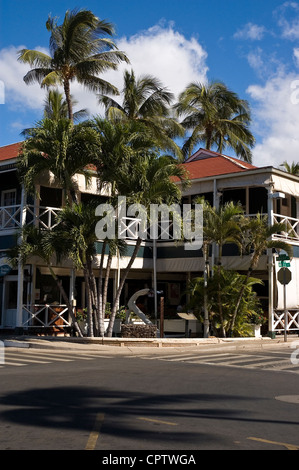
(46, 316)
(12, 217)
(291, 231)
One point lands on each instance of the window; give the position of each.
(8, 203)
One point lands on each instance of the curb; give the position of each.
(152, 343)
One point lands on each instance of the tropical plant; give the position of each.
(292, 168)
(79, 51)
(257, 238)
(217, 117)
(221, 226)
(229, 284)
(55, 107)
(139, 173)
(145, 99)
(59, 147)
(36, 242)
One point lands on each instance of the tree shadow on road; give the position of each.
(138, 417)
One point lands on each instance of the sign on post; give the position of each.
(284, 276)
(5, 266)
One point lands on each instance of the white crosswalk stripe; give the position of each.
(37, 356)
(279, 362)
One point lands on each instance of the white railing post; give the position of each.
(270, 267)
(19, 319)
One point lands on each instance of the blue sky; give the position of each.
(252, 46)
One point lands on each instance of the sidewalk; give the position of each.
(155, 345)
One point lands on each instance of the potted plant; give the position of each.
(120, 317)
(81, 316)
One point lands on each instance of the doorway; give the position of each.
(10, 301)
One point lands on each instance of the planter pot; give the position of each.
(116, 327)
(256, 331)
(83, 326)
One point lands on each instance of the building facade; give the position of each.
(30, 300)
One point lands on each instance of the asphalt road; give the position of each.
(168, 401)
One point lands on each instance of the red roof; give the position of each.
(205, 163)
(10, 151)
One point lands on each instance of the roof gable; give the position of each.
(206, 163)
(9, 152)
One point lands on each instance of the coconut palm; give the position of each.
(216, 117)
(59, 147)
(292, 168)
(146, 100)
(78, 51)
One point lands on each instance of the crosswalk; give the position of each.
(26, 357)
(274, 361)
(267, 361)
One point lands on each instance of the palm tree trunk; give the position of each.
(100, 294)
(219, 293)
(68, 99)
(120, 287)
(89, 303)
(208, 138)
(94, 296)
(106, 282)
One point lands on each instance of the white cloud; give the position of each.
(288, 19)
(167, 54)
(276, 120)
(17, 94)
(159, 51)
(251, 31)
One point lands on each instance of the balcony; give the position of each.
(14, 217)
(291, 232)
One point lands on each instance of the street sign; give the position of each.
(284, 276)
(283, 257)
(5, 266)
(284, 264)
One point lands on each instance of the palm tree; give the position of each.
(132, 167)
(292, 168)
(221, 226)
(74, 237)
(257, 238)
(59, 147)
(144, 99)
(36, 242)
(217, 117)
(78, 50)
(145, 179)
(55, 107)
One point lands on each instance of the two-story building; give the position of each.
(30, 300)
